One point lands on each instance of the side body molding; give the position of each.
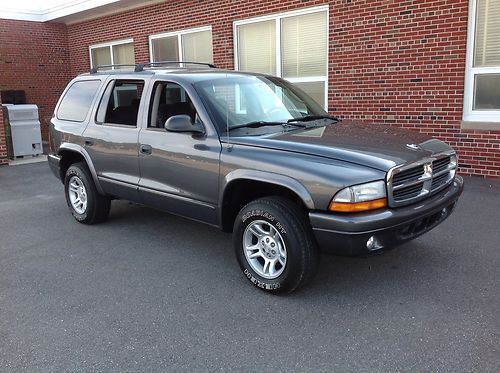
(80, 150)
(271, 178)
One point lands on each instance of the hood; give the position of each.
(378, 146)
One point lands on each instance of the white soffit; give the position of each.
(66, 11)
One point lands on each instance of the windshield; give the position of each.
(235, 101)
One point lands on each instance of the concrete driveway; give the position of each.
(147, 291)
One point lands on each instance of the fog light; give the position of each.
(372, 244)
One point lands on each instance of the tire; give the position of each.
(274, 245)
(84, 201)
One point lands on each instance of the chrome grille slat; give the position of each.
(412, 182)
(440, 165)
(438, 180)
(409, 192)
(408, 174)
(443, 171)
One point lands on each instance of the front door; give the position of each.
(179, 170)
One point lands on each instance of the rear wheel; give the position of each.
(274, 245)
(84, 201)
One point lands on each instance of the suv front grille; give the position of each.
(415, 181)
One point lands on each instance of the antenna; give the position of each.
(227, 127)
(227, 109)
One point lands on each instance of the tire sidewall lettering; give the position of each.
(259, 283)
(258, 213)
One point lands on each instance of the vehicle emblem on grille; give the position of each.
(413, 146)
(428, 168)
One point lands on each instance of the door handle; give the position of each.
(89, 142)
(202, 147)
(145, 149)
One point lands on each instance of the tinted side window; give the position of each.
(76, 102)
(120, 103)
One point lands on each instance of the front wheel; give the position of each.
(82, 197)
(274, 245)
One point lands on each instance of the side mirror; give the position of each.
(183, 123)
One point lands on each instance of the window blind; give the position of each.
(197, 46)
(257, 47)
(487, 37)
(101, 56)
(123, 54)
(165, 49)
(303, 45)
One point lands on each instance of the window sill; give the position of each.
(480, 125)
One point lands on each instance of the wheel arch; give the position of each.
(73, 153)
(242, 186)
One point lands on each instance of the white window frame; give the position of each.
(491, 117)
(277, 18)
(110, 45)
(179, 40)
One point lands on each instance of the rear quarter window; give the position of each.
(76, 102)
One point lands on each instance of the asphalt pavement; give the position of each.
(148, 291)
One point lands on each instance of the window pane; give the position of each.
(169, 99)
(165, 49)
(77, 100)
(487, 41)
(257, 47)
(101, 56)
(123, 104)
(123, 54)
(314, 89)
(304, 44)
(487, 92)
(197, 47)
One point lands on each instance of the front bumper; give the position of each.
(348, 234)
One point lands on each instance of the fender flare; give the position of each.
(271, 178)
(80, 150)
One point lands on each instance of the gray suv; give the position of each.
(253, 155)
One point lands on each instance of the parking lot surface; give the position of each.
(148, 291)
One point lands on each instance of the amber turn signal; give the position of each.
(357, 206)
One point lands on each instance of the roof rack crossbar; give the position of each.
(137, 67)
(140, 66)
(161, 63)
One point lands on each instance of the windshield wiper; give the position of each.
(309, 118)
(263, 123)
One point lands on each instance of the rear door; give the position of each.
(111, 138)
(179, 171)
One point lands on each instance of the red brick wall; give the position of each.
(34, 57)
(403, 63)
(3, 140)
(395, 62)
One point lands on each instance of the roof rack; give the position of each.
(97, 68)
(162, 63)
(140, 66)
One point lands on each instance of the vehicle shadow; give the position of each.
(410, 266)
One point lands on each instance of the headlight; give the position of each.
(454, 163)
(361, 197)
